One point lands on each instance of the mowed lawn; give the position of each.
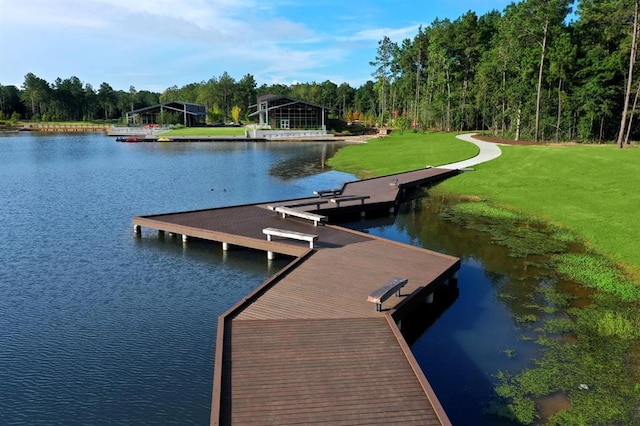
(592, 190)
(401, 152)
(206, 131)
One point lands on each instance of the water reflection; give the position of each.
(305, 163)
(100, 327)
(473, 332)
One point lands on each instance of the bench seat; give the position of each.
(384, 292)
(316, 202)
(284, 233)
(341, 198)
(288, 211)
(328, 192)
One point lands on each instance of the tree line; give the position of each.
(69, 100)
(537, 70)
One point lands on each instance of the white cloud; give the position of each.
(47, 14)
(376, 34)
(182, 41)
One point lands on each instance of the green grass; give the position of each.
(591, 190)
(401, 152)
(598, 273)
(206, 131)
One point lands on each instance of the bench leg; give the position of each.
(378, 307)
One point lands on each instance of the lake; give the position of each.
(100, 327)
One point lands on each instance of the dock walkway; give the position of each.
(306, 346)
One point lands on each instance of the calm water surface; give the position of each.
(99, 327)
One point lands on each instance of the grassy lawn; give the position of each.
(206, 131)
(588, 189)
(401, 152)
(591, 190)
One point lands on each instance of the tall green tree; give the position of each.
(542, 19)
(36, 91)
(633, 56)
(10, 101)
(245, 94)
(107, 100)
(382, 73)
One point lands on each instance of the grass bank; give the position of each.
(401, 152)
(206, 131)
(589, 369)
(590, 190)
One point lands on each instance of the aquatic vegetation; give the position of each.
(596, 272)
(624, 324)
(585, 362)
(523, 236)
(510, 353)
(484, 209)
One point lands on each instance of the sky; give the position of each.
(156, 44)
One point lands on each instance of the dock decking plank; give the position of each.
(307, 347)
(363, 350)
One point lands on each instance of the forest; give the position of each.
(541, 70)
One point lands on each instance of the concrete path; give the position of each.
(488, 151)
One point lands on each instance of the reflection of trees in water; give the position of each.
(517, 258)
(307, 162)
(517, 278)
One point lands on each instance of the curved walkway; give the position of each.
(488, 151)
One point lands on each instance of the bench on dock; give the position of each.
(315, 202)
(341, 198)
(383, 293)
(288, 211)
(275, 232)
(328, 192)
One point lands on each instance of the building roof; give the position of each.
(184, 107)
(273, 98)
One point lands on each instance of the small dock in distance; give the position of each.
(307, 346)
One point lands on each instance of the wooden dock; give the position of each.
(306, 346)
(64, 128)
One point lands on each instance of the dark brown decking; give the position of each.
(322, 372)
(306, 347)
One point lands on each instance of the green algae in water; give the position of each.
(596, 272)
(586, 360)
(523, 236)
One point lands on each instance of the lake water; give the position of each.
(100, 327)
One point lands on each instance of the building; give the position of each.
(279, 112)
(188, 114)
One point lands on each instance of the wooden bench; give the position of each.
(275, 232)
(383, 293)
(288, 211)
(343, 198)
(328, 192)
(316, 203)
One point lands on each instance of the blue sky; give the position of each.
(155, 44)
